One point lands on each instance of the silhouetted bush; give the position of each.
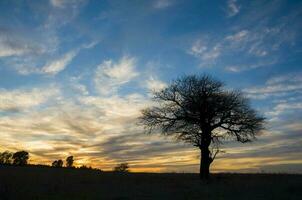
(123, 167)
(69, 161)
(85, 167)
(57, 163)
(20, 158)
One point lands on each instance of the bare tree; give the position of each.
(200, 111)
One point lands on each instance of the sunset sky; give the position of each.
(74, 75)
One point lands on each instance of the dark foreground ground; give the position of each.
(34, 183)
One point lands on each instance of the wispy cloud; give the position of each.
(55, 66)
(161, 4)
(154, 84)
(65, 3)
(12, 44)
(20, 99)
(238, 37)
(282, 108)
(232, 8)
(246, 67)
(35, 49)
(110, 75)
(204, 51)
(284, 94)
(278, 85)
(31, 65)
(258, 44)
(77, 86)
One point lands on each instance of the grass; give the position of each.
(42, 183)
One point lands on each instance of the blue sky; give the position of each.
(74, 75)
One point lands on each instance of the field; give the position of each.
(42, 183)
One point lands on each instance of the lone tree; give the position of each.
(200, 111)
(123, 167)
(69, 161)
(20, 158)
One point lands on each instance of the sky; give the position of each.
(75, 74)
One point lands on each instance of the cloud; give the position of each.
(21, 99)
(90, 45)
(260, 45)
(56, 66)
(277, 85)
(30, 65)
(255, 40)
(65, 3)
(275, 146)
(161, 4)
(283, 108)
(27, 49)
(61, 13)
(232, 8)
(115, 106)
(207, 55)
(154, 84)
(285, 96)
(246, 67)
(13, 48)
(238, 37)
(292, 77)
(111, 75)
(33, 64)
(57, 3)
(11, 44)
(198, 48)
(77, 86)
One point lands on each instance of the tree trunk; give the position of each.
(205, 162)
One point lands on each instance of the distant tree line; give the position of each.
(20, 158)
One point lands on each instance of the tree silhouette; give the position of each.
(20, 158)
(57, 163)
(123, 167)
(200, 111)
(69, 161)
(6, 158)
(85, 167)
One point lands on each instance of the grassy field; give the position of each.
(37, 183)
